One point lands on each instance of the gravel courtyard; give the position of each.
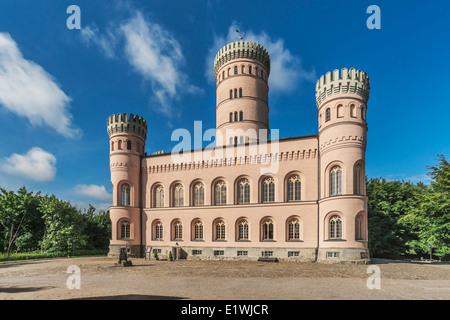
(102, 278)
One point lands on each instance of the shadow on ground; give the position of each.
(22, 289)
(131, 297)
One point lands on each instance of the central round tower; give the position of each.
(241, 70)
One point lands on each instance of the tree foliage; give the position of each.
(30, 222)
(407, 219)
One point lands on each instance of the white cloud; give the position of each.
(286, 70)
(105, 42)
(152, 51)
(157, 56)
(93, 191)
(36, 164)
(27, 90)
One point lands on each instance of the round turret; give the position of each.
(341, 99)
(242, 69)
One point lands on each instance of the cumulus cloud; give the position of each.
(37, 164)
(93, 191)
(286, 70)
(27, 90)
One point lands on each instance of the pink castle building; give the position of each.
(249, 196)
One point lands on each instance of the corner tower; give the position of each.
(341, 98)
(241, 70)
(127, 134)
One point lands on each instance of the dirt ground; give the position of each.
(102, 278)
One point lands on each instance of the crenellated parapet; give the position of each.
(345, 81)
(241, 49)
(124, 123)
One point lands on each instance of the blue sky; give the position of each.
(154, 59)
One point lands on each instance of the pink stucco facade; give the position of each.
(300, 198)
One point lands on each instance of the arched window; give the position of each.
(198, 230)
(125, 200)
(220, 230)
(250, 69)
(327, 115)
(267, 229)
(231, 116)
(363, 113)
(235, 141)
(335, 227)
(340, 111)
(235, 70)
(220, 193)
(235, 93)
(294, 188)
(112, 145)
(125, 229)
(199, 194)
(236, 116)
(268, 190)
(178, 196)
(158, 231)
(178, 231)
(294, 229)
(242, 69)
(241, 140)
(119, 145)
(357, 180)
(336, 181)
(359, 227)
(243, 230)
(159, 197)
(223, 75)
(353, 110)
(240, 92)
(244, 191)
(128, 145)
(231, 94)
(241, 116)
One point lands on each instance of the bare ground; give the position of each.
(102, 278)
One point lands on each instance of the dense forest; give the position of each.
(406, 220)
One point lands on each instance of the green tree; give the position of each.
(430, 219)
(64, 226)
(389, 202)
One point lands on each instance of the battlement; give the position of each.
(122, 122)
(241, 49)
(346, 81)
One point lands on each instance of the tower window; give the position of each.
(112, 145)
(327, 115)
(335, 227)
(235, 93)
(250, 69)
(336, 181)
(241, 116)
(223, 75)
(240, 92)
(128, 145)
(125, 201)
(235, 116)
(231, 116)
(125, 229)
(236, 70)
(231, 94)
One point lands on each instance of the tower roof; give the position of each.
(122, 122)
(346, 81)
(241, 49)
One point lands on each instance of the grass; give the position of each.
(36, 255)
